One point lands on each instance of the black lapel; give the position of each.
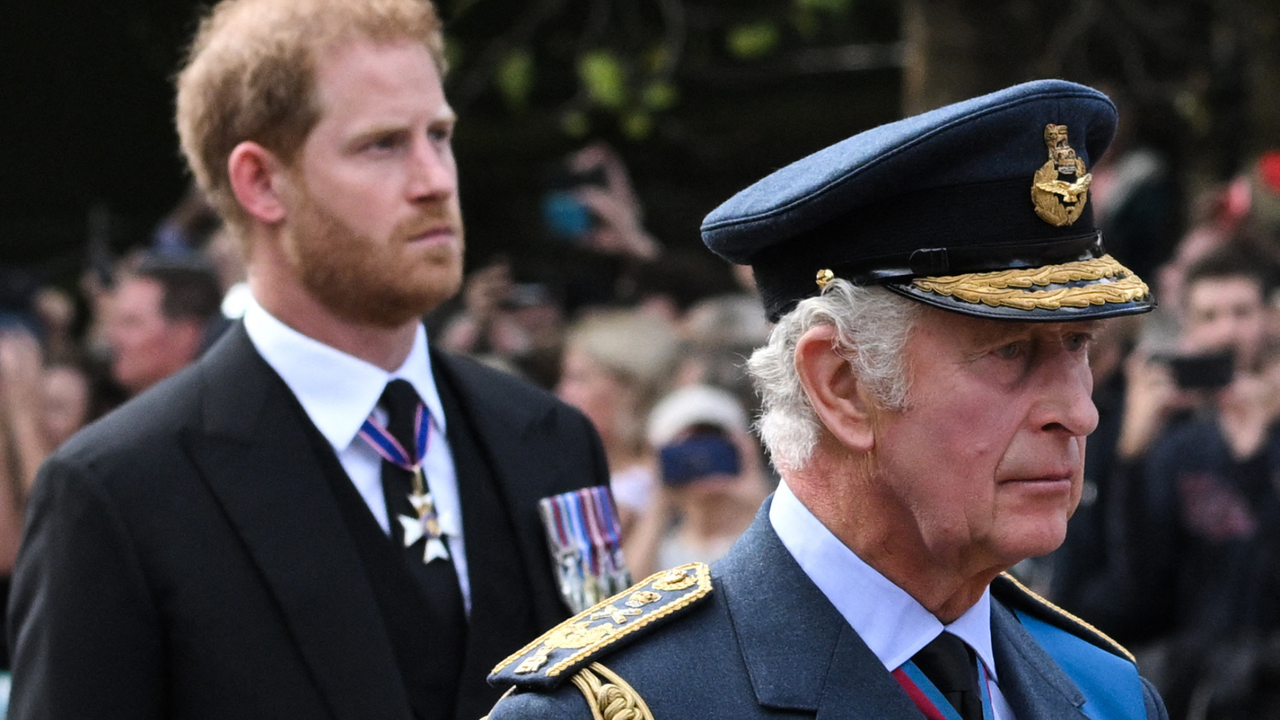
(502, 617)
(517, 431)
(257, 460)
(807, 658)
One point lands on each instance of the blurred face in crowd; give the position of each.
(374, 226)
(146, 346)
(984, 465)
(66, 403)
(598, 393)
(1226, 313)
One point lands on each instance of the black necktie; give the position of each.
(949, 664)
(438, 579)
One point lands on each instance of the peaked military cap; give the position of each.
(981, 207)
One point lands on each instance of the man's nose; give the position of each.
(1067, 401)
(430, 173)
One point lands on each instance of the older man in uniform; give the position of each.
(935, 283)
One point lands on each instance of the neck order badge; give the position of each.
(427, 524)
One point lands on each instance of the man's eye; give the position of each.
(386, 142)
(1009, 351)
(1078, 342)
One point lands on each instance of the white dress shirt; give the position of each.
(339, 392)
(892, 623)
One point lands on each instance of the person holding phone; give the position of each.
(1202, 514)
(712, 481)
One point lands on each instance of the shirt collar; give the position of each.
(338, 391)
(892, 623)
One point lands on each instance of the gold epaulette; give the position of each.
(574, 643)
(1027, 600)
(611, 698)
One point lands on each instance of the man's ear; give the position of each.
(837, 397)
(256, 174)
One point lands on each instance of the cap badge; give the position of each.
(1061, 186)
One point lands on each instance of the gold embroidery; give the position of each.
(675, 579)
(1060, 188)
(599, 626)
(612, 698)
(619, 617)
(1005, 287)
(641, 598)
(573, 636)
(824, 278)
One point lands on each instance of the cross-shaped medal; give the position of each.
(427, 524)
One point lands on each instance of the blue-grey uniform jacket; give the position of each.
(753, 637)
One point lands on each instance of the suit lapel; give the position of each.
(807, 658)
(501, 615)
(1030, 680)
(518, 441)
(258, 460)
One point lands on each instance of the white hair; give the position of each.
(872, 326)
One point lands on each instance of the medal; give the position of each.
(427, 523)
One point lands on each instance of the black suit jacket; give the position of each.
(185, 557)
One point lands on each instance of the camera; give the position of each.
(1206, 371)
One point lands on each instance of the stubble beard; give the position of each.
(376, 283)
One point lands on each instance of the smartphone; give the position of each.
(564, 216)
(1208, 371)
(698, 456)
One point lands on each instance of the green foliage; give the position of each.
(751, 41)
(637, 124)
(639, 53)
(659, 95)
(603, 78)
(575, 124)
(657, 59)
(515, 79)
(831, 6)
(454, 56)
(809, 16)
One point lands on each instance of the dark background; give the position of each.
(87, 98)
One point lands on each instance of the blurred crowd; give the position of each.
(1174, 551)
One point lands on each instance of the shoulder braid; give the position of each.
(611, 698)
(1023, 598)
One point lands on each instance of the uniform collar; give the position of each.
(892, 623)
(338, 391)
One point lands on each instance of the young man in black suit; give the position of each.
(240, 541)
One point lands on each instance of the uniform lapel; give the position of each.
(258, 460)
(800, 653)
(1030, 680)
